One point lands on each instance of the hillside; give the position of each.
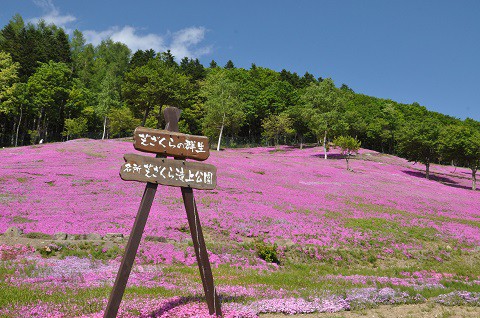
(380, 234)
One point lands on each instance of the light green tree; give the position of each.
(75, 127)
(122, 122)
(276, 126)
(224, 110)
(108, 100)
(8, 79)
(323, 110)
(347, 145)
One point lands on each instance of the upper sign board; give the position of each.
(170, 172)
(171, 143)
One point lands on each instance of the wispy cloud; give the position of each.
(186, 42)
(127, 35)
(52, 14)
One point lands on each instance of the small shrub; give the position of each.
(267, 252)
(49, 250)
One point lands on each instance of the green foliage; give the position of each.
(461, 143)
(75, 127)
(155, 84)
(223, 107)
(267, 252)
(418, 142)
(122, 122)
(96, 251)
(276, 126)
(8, 81)
(49, 88)
(323, 110)
(348, 145)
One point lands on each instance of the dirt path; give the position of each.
(427, 310)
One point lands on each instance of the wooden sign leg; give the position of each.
(130, 251)
(201, 252)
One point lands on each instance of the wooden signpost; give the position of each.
(177, 173)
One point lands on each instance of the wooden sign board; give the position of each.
(171, 143)
(170, 172)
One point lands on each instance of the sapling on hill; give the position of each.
(348, 145)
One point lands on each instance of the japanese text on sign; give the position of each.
(168, 172)
(171, 143)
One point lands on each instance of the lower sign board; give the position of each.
(170, 172)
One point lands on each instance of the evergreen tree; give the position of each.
(229, 65)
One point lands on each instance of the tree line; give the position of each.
(55, 87)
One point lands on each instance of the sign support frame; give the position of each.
(172, 115)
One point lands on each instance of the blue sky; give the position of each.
(406, 50)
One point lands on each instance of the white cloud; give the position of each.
(127, 35)
(182, 43)
(185, 42)
(52, 14)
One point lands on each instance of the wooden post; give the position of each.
(130, 251)
(201, 254)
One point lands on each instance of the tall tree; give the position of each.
(223, 107)
(324, 107)
(155, 84)
(49, 87)
(108, 99)
(8, 88)
(8, 78)
(229, 65)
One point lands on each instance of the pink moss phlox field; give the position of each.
(289, 197)
(74, 187)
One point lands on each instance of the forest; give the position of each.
(56, 87)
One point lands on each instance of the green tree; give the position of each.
(323, 110)
(223, 107)
(141, 58)
(122, 122)
(18, 105)
(108, 100)
(48, 88)
(155, 84)
(461, 143)
(75, 127)
(8, 79)
(418, 142)
(229, 65)
(348, 145)
(276, 126)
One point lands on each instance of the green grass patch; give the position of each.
(21, 219)
(38, 235)
(92, 250)
(386, 227)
